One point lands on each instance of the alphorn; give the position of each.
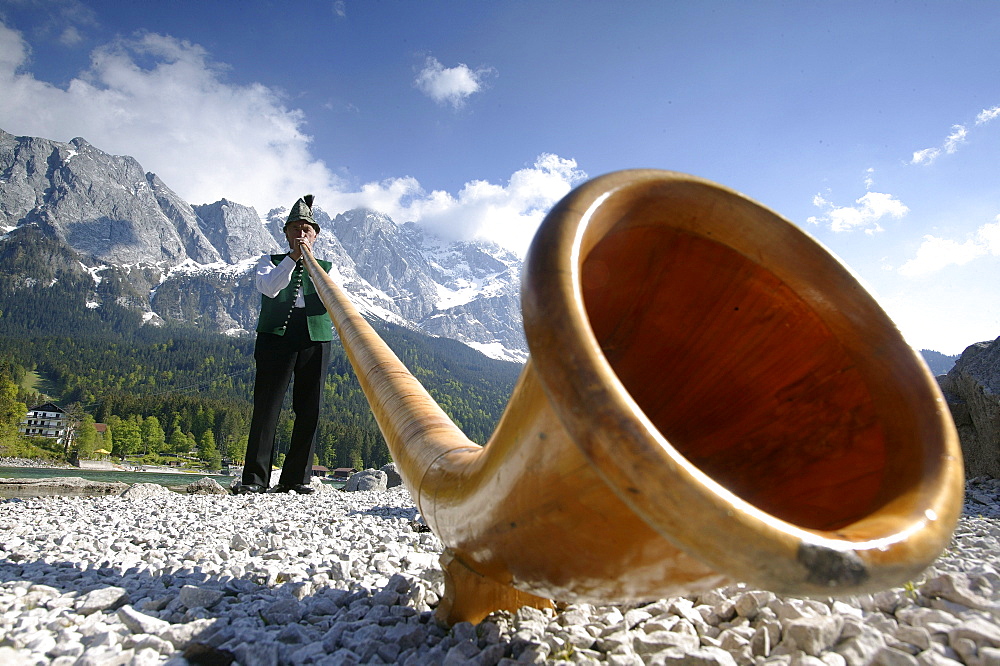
(710, 397)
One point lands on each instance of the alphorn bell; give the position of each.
(710, 396)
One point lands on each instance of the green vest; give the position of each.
(274, 312)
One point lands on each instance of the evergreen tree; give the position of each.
(178, 442)
(204, 419)
(114, 423)
(232, 428)
(238, 449)
(207, 451)
(105, 440)
(355, 460)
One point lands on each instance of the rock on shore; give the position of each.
(971, 388)
(351, 578)
(66, 485)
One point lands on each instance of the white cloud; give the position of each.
(209, 139)
(14, 50)
(936, 253)
(450, 85)
(956, 138)
(986, 115)
(70, 36)
(206, 138)
(988, 236)
(925, 156)
(869, 178)
(507, 214)
(864, 215)
(959, 134)
(951, 143)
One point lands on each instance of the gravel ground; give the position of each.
(154, 577)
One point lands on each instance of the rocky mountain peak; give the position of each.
(104, 205)
(235, 230)
(193, 264)
(384, 257)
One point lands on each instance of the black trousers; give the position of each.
(279, 358)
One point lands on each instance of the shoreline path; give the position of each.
(352, 578)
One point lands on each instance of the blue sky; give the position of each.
(874, 126)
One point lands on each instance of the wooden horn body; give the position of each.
(711, 396)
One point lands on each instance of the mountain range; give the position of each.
(193, 264)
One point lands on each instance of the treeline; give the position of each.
(196, 386)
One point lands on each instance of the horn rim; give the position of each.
(651, 476)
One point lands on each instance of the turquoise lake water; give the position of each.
(172, 481)
(175, 482)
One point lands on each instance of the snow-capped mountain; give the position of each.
(194, 264)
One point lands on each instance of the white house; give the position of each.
(46, 420)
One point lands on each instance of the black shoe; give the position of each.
(300, 488)
(248, 489)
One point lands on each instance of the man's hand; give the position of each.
(298, 244)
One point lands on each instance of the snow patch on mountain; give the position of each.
(94, 272)
(498, 351)
(191, 267)
(463, 292)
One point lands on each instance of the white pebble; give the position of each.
(344, 577)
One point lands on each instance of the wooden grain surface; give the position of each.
(710, 396)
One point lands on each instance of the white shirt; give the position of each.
(271, 279)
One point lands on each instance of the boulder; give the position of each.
(206, 486)
(320, 487)
(63, 486)
(972, 390)
(393, 478)
(139, 490)
(369, 479)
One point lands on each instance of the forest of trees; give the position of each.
(181, 392)
(176, 390)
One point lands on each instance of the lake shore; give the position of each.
(350, 578)
(115, 467)
(33, 462)
(28, 481)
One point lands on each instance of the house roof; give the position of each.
(48, 407)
